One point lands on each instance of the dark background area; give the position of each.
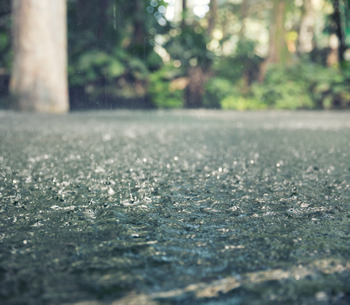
(204, 54)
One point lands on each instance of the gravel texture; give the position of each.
(175, 207)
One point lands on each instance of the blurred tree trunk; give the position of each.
(241, 34)
(333, 55)
(337, 18)
(306, 30)
(277, 46)
(39, 74)
(184, 9)
(244, 14)
(212, 16)
(138, 34)
(195, 88)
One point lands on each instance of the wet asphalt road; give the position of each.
(190, 207)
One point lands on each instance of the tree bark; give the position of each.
(306, 30)
(244, 13)
(39, 74)
(184, 11)
(138, 34)
(213, 8)
(195, 88)
(339, 30)
(277, 46)
(241, 35)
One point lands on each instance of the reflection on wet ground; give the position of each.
(201, 207)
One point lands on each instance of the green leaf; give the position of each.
(114, 68)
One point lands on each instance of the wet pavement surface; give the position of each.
(181, 207)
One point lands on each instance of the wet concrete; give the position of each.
(182, 207)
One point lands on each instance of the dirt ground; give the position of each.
(175, 207)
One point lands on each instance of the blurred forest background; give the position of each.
(223, 54)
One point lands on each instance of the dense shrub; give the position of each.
(281, 90)
(242, 103)
(161, 93)
(216, 90)
(301, 86)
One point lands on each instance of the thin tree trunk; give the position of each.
(184, 9)
(195, 88)
(277, 45)
(333, 55)
(39, 75)
(306, 31)
(212, 16)
(138, 34)
(244, 13)
(339, 30)
(241, 34)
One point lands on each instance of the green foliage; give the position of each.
(93, 65)
(138, 68)
(301, 86)
(111, 52)
(5, 35)
(153, 61)
(244, 61)
(160, 91)
(329, 87)
(284, 88)
(242, 103)
(288, 95)
(216, 90)
(189, 45)
(110, 46)
(304, 86)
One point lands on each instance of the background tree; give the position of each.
(339, 25)
(184, 13)
(213, 5)
(39, 74)
(5, 49)
(111, 51)
(277, 46)
(230, 54)
(306, 30)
